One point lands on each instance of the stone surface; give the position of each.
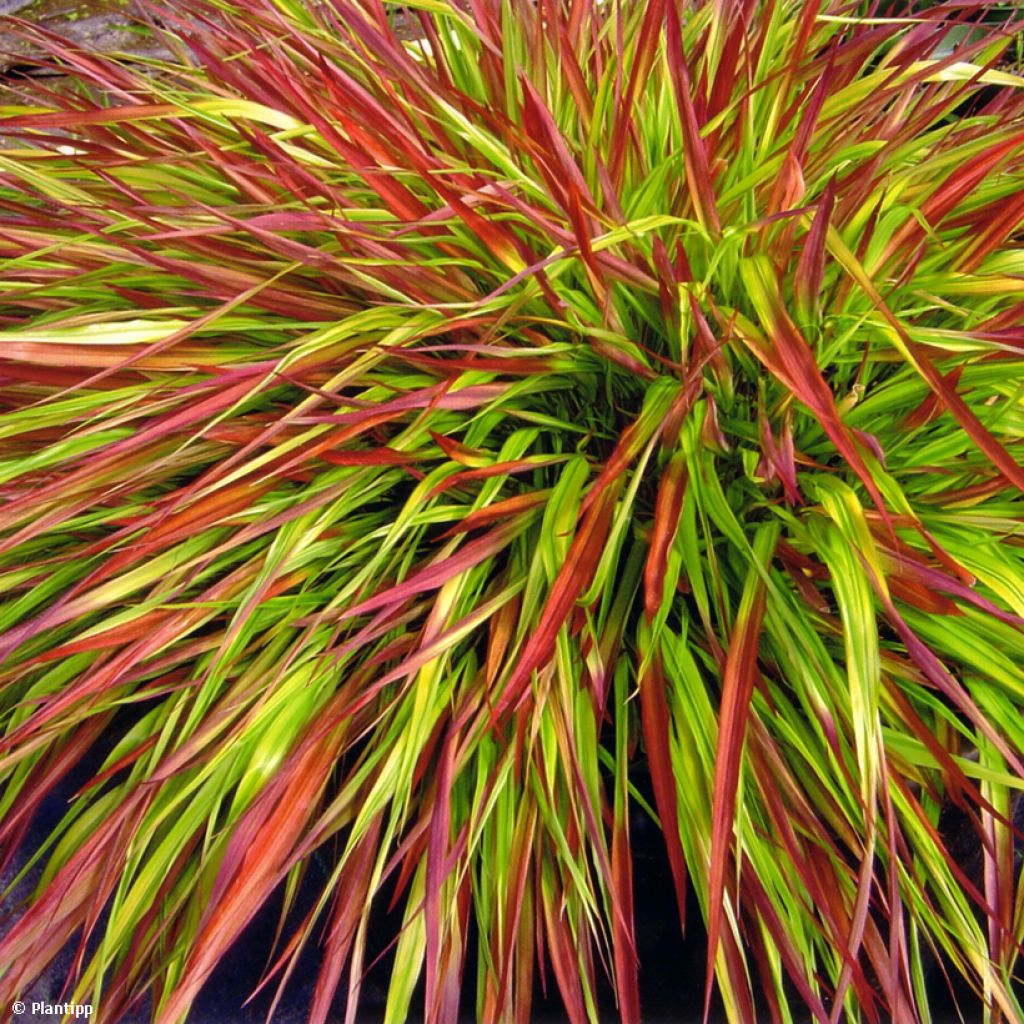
(110, 26)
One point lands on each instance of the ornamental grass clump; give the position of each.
(416, 427)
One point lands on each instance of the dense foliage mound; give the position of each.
(417, 425)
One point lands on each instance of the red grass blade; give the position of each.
(738, 683)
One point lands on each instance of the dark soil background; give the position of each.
(671, 975)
